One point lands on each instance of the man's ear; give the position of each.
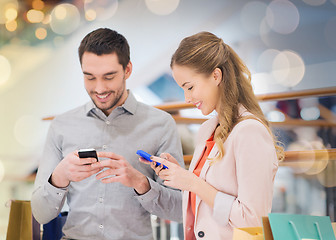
(217, 75)
(128, 69)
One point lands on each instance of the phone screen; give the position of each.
(88, 153)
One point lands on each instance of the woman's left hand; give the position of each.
(175, 176)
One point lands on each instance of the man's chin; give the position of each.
(102, 106)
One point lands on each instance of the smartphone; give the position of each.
(88, 153)
(147, 156)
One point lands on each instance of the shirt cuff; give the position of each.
(55, 192)
(152, 193)
(222, 208)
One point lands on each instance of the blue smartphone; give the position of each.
(147, 156)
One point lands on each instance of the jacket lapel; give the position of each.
(199, 150)
(205, 132)
(197, 154)
(206, 166)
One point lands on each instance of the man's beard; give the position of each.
(119, 94)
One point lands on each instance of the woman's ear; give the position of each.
(217, 74)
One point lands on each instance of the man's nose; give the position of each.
(100, 86)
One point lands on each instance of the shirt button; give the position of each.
(201, 234)
(101, 226)
(189, 228)
(56, 208)
(60, 194)
(108, 122)
(104, 146)
(101, 199)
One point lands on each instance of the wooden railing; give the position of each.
(319, 92)
(329, 117)
(290, 156)
(297, 156)
(287, 122)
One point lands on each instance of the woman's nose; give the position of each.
(187, 98)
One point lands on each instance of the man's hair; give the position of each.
(105, 41)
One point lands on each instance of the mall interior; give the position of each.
(289, 47)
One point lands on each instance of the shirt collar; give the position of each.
(129, 105)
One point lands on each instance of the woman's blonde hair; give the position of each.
(204, 52)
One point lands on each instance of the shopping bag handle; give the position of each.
(298, 235)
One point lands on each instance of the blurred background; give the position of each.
(287, 45)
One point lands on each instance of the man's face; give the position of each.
(105, 80)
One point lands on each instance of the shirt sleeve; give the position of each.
(256, 165)
(161, 200)
(47, 201)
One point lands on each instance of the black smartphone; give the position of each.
(88, 153)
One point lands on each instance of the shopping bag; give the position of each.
(267, 231)
(21, 224)
(53, 229)
(249, 233)
(299, 227)
(333, 225)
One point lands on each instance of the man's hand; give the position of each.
(120, 170)
(72, 169)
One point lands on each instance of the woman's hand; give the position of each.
(175, 176)
(158, 167)
(180, 178)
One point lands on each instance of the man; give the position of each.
(112, 198)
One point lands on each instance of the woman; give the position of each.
(230, 180)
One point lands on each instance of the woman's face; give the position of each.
(199, 89)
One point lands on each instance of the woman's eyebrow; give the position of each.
(184, 84)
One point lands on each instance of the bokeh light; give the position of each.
(261, 82)
(315, 2)
(311, 160)
(6, 5)
(90, 15)
(309, 157)
(265, 60)
(11, 26)
(5, 70)
(330, 32)
(252, 16)
(100, 9)
(35, 16)
(38, 4)
(162, 7)
(321, 163)
(41, 33)
(11, 14)
(47, 19)
(310, 113)
(27, 131)
(282, 16)
(65, 19)
(275, 116)
(288, 68)
(264, 32)
(327, 177)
